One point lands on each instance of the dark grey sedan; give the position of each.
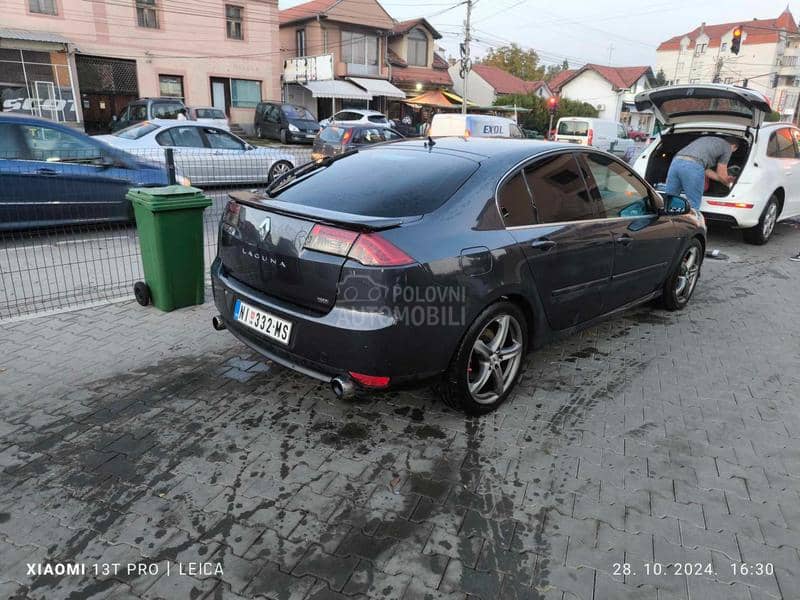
(446, 262)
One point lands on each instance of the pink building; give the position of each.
(105, 53)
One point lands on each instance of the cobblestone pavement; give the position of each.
(148, 440)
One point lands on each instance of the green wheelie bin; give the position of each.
(170, 224)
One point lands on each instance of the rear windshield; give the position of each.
(573, 128)
(134, 132)
(297, 112)
(332, 135)
(379, 183)
(210, 113)
(687, 106)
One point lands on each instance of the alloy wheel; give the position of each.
(495, 359)
(280, 168)
(769, 220)
(687, 277)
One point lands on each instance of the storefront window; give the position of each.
(37, 84)
(245, 93)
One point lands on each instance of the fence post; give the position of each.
(170, 157)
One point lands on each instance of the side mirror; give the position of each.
(105, 162)
(675, 205)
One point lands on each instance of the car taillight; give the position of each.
(373, 381)
(589, 137)
(330, 240)
(729, 204)
(346, 137)
(370, 249)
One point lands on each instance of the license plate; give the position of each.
(310, 136)
(265, 323)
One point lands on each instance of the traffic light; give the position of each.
(736, 40)
(552, 104)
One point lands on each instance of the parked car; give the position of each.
(146, 109)
(456, 124)
(466, 286)
(52, 175)
(208, 115)
(335, 140)
(766, 162)
(206, 155)
(357, 116)
(602, 134)
(285, 122)
(637, 135)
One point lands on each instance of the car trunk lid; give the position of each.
(709, 102)
(263, 243)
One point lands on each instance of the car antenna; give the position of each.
(430, 143)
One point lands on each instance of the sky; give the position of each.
(579, 30)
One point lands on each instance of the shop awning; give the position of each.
(378, 87)
(27, 35)
(336, 88)
(433, 98)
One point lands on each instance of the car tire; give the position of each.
(680, 285)
(259, 133)
(461, 387)
(760, 234)
(284, 137)
(278, 169)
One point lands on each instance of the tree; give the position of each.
(773, 116)
(660, 79)
(539, 117)
(517, 61)
(553, 70)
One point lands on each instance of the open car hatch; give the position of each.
(706, 102)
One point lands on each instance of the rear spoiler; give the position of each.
(320, 215)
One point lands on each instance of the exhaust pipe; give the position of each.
(217, 323)
(343, 387)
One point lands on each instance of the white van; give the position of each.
(599, 133)
(454, 124)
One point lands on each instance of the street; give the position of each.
(166, 460)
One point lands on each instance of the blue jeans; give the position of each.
(687, 177)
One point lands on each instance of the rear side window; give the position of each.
(515, 204)
(332, 135)
(11, 144)
(370, 136)
(781, 144)
(377, 119)
(222, 140)
(573, 128)
(616, 187)
(377, 183)
(559, 193)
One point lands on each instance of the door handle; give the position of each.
(543, 245)
(49, 172)
(624, 239)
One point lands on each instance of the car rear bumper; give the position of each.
(723, 210)
(330, 345)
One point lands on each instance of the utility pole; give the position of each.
(466, 63)
(610, 53)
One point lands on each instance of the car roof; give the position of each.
(511, 149)
(23, 119)
(362, 111)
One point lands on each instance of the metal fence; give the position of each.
(67, 234)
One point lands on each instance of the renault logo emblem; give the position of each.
(263, 229)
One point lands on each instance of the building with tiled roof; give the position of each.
(768, 59)
(415, 65)
(486, 83)
(609, 89)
